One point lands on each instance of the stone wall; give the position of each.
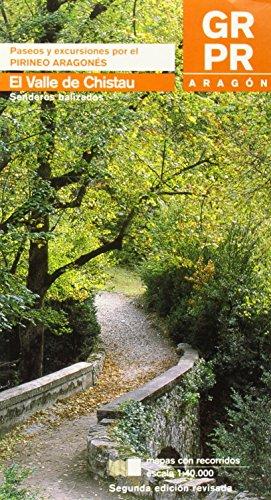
(20, 402)
(174, 423)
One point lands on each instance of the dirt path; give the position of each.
(129, 336)
(55, 442)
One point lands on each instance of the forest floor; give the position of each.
(53, 443)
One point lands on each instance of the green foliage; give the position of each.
(74, 177)
(197, 381)
(218, 298)
(138, 420)
(75, 344)
(166, 285)
(219, 301)
(85, 138)
(15, 301)
(11, 488)
(246, 436)
(71, 329)
(133, 428)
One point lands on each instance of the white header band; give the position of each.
(86, 57)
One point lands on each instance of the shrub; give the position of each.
(246, 435)
(218, 301)
(218, 298)
(76, 344)
(167, 286)
(71, 328)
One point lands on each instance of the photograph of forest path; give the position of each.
(172, 189)
(53, 446)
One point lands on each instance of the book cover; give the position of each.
(135, 287)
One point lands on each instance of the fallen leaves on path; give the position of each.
(113, 382)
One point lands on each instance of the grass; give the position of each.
(123, 280)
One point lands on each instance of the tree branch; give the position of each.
(148, 165)
(73, 175)
(22, 139)
(97, 9)
(134, 17)
(116, 244)
(4, 161)
(6, 21)
(175, 193)
(77, 202)
(66, 179)
(14, 218)
(17, 217)
(5, 156)
(189, 167)
(53, 5)
(163, 160)
(83, 259)
(5, 96)
(18, 256)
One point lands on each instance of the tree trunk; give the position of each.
(32, 342)
(32, 337)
